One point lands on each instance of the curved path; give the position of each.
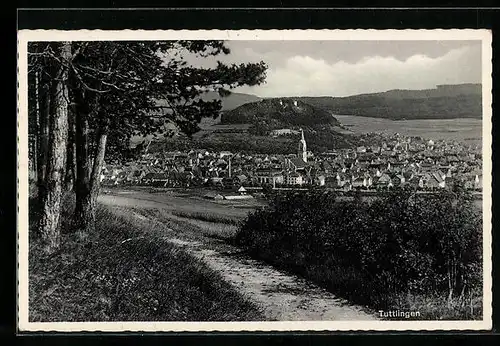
(282, 296)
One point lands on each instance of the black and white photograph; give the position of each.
(254, 180)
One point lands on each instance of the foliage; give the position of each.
(445, 102)
(143, 86)
(120, 89)
(278, 113)
(271, 114)
(251, 144)
(373, 252)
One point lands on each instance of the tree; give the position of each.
(56, 150)
(84, 95)
(40, 79)
(135, 88)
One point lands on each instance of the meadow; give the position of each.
(466, 130)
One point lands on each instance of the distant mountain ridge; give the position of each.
(443, 102)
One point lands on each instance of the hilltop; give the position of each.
(250, 126)
(271, 114)
(443, 102)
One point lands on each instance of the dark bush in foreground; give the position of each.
(124, 271)
(401, 251)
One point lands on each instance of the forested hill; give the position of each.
(443, 102)
(269, 114)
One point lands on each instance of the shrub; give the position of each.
(373, 251)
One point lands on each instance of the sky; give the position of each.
(343, 68)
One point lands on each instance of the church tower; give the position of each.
(302, 152)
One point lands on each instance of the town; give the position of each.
(400, 161)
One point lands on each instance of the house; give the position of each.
(224, 153)
(216, 181)
(432, 181)
(240, 179)
(478, 182)
(237, 197)
(281, 132)
(295, 164)
(384, 181)
(357, 182)
(473, 181)
(320, 180)
(346, 186)
(268, 176)
(294, 178)
(331, 182)
(398, 179)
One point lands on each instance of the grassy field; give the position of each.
(190, 201)
(191, 227)
(208, 217)
(126, 271)
(466, 130)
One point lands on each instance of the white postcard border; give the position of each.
(25, 36)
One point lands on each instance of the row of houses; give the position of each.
(428, 165)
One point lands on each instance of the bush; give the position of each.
(373, 251)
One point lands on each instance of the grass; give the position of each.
(438, 307)
(195, 227)
(208, 217)
(116, 273)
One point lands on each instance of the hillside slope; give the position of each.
(231, 101)
(270, 114)
(321, 129)
(443, 102)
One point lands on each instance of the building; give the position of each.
(294, 178)
(302, 152)
(269, 176)
(282, 132)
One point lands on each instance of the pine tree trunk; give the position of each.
(34, 132)
(95, 181)
(82, 184)
(71, 157)
(43, 134)
(88, 189)
(56, 160)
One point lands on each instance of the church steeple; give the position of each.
(302, 152)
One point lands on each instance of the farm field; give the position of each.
(190, 203)
(465, 130)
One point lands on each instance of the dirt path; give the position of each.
(281, 295)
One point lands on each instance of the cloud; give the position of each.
(345, 68)
(303, 75)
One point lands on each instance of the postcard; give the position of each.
(254, 180)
